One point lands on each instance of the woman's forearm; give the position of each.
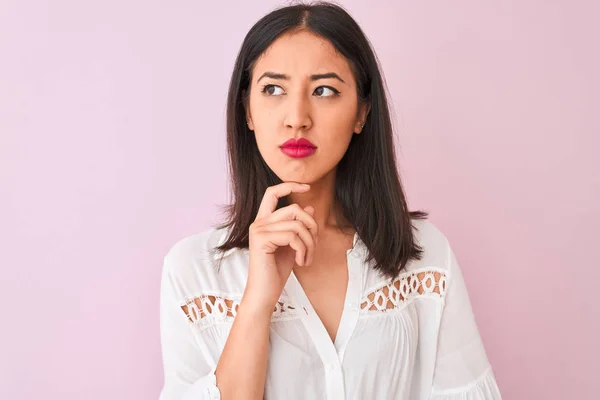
(242, 367)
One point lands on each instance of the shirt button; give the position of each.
(330, 367)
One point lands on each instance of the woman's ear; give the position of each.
(365, 108)
(363, 112)
(245, 102)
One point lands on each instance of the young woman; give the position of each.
(331, 290)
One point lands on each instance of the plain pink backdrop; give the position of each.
(112, 148)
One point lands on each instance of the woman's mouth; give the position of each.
(298, 152)
(298, 148)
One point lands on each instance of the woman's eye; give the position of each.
(270, 90)
(323, 89)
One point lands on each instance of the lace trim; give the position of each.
(207, 309)
(429, 282)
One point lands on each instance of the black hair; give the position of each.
(368, 186)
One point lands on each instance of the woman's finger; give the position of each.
(300, 230)
(274, 193)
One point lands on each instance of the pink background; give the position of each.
(112, 147)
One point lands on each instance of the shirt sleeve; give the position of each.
(187, 374)
(462, 370)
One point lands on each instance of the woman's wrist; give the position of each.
(256, 307)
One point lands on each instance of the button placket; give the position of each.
(351, 302)
(322, 342)
(350, 314)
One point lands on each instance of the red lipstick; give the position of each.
(298, 148)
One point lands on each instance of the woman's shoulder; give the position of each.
(428, 234)
(433, 242)
(192, 265)
(425, 277)
(198, 245)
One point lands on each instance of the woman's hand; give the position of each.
(278, 240)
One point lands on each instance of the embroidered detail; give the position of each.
(428, 282)
(211, 309)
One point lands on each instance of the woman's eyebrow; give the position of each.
(315, 77)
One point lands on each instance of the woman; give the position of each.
(331, 290)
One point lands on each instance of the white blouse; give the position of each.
(413, 338)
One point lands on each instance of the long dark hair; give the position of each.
(368, 186)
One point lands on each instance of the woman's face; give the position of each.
(288, 101)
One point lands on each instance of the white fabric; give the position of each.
(415, 338)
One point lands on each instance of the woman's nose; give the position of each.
(298, 112)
